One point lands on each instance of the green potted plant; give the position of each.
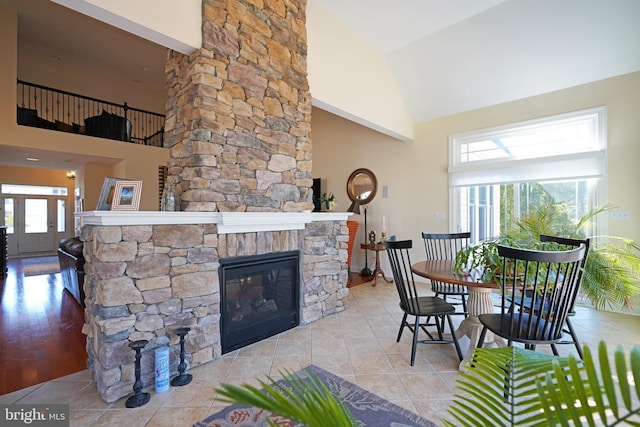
(306, 401)
(511, 386)
(612, 272)
(328, 200)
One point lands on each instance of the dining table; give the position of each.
(479, 301)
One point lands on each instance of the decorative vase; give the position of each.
(168, 198)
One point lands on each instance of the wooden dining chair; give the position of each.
(446, 246)
(413, 304)
(567, 243)
(538, 290)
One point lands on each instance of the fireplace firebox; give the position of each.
(259, 297)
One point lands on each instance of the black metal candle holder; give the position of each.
(139, 398)
(182, 378)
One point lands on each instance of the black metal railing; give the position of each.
(49, 108)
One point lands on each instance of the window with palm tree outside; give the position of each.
(497, 175)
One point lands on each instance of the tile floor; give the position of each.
(358, 344)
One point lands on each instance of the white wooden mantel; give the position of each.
(227, 222)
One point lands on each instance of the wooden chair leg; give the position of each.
(455, 339)
(464, 306)
(416, 328)
(574, 337)
(402, 325)
(481, 338)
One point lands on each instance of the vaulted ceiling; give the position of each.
(446, 56)
(449, 56)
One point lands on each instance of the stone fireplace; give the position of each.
(238, 129)
(148, 273)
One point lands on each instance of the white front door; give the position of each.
(37, 224)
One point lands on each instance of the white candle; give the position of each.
(384, 223)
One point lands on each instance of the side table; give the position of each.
(376, 247)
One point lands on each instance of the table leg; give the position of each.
(378, 271)
(479, 302)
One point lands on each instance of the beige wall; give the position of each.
(103, 157)
(159, 26)
(416, 172)
(344, 83)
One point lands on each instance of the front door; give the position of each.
(35, 216)
(36, 224)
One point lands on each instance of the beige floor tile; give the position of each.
(387, 386)
(250, 367)
(125, 417)
(326, 349)
(13, 397)
(291, 347)
(337, 363)
(358, 344)
(369, 363)
(83, 417)
(216, 369)
(264, 348)
(288, 363)
(434, 410)
(299, 333)
(194, 394)
(402, 363)
(172, 417)
(89, 399)
(62, 392)
(425, 386)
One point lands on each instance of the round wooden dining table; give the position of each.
(479, 301)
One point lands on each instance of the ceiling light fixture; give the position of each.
(33, 159)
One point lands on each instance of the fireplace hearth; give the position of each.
(259, 297)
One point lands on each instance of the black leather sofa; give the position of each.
(72, 267)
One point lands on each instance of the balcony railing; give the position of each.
(48, 108)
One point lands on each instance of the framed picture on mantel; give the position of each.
(106, 194)
(126, 196)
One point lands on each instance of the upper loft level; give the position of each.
(49, 108)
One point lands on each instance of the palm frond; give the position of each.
(511, 386)
(303, 399)
(499, 388)
(597, 394)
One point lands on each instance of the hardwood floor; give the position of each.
(40, 330)
(356, 279)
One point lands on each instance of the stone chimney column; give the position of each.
(239, 110)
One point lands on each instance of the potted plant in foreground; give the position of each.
(612, 272)
(511, 386)
(507, 386)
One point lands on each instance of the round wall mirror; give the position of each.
(362, 186)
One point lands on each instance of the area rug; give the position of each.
(367, 408)
(40, 265)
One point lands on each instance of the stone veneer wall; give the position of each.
(238, 118)
(238, 126)
(143, 282)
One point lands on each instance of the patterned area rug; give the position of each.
(367, 408)
(41, 265)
